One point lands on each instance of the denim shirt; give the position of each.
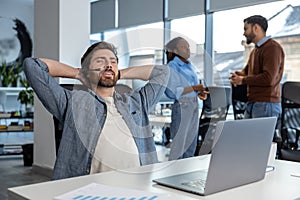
(83, 115)
(181, 75)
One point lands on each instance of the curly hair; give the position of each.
(170, 47)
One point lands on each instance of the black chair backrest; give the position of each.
(122, 88)
(239, 100)
(290, 119)
(215, 108)
(58, 128)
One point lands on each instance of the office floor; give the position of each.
(13, 173)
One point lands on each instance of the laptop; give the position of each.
(239, 156)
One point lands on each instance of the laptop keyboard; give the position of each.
(198, 183)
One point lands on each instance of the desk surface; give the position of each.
(277, 185)
(160, 120)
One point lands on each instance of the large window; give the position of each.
(193, 30)
(138, 41)
(137, 45)
(190, 27)
(145, 39)
(231, 53)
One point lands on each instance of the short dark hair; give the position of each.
(258, 19)
(86, 58)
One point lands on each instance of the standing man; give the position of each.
(263, 72)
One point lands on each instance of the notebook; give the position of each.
(239, 156)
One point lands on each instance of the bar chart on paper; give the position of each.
(96, 191)
(82, 197)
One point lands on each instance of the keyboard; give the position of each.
(198, 183)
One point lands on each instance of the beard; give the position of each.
(250, 38)
(104, 82)
(107, 83)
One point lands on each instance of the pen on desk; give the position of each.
(295, 175)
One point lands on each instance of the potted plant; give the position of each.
(15, 74)
(10, 74)
(26, 96)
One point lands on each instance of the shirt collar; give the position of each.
(179, 61)
(262, 41)
(96, 95)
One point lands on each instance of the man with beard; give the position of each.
(263, 71)
(102, 129)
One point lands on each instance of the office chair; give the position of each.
(58, 128)
(215, 108)
(290, 122)
(122, 88)
(239, 100)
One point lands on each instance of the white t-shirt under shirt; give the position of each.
(116, 148)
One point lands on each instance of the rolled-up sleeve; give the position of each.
(47, 89)
(152, 92)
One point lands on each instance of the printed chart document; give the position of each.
(96, 191)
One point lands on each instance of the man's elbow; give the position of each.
(27, 63)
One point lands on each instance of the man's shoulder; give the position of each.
(173, 64)
(273, 42)
(271, 45)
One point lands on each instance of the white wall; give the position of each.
(61, 33)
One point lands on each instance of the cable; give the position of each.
(270, 169)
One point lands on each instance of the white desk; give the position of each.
(159, 120)
(277, 185)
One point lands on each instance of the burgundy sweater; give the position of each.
(264, 72)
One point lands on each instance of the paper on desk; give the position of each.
(96, 191)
